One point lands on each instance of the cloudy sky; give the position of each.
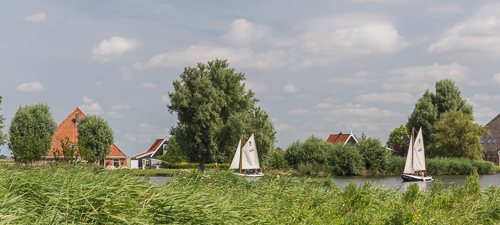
(318, 67)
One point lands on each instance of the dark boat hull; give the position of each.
(407, 177)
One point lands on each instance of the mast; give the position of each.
(241, 156)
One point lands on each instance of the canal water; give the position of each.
(391, 181)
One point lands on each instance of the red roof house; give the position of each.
(341, 138)
(69, 128)
(158, 148)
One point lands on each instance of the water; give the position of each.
(387, 181)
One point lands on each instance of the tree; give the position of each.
(174, 152)
(67, 151)
(30, 133)
(83, 152)
(424, 115)
(3, 137)
(98, 136)
(448, 98)
(399, 135)
(375, 155)
(457, 135)
(213, 110)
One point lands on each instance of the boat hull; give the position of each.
(249, 175)
(407, 177)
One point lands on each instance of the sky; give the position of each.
(317, 67)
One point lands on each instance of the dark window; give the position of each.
(489, 141)
(116, 162)
(495, 141)
(483, 141)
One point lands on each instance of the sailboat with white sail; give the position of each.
(415, 160)
(246, 158)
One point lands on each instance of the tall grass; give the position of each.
(89, 195)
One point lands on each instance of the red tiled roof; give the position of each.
(338, 138)
(151, 149)
(68, 128)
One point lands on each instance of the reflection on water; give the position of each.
(388, 181)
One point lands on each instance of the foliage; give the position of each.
(213, 110)
(396, 164)
(98, 136)
(431, 108)
(346, 160)
(174, 152)
(30, 133)
(279, 161)
(457, 135)
(186, 165)
(313, 150)
(83, 152)
(443, 166)
(398, 135)
(375, 155)
(3, 137)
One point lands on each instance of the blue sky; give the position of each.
(318, 67)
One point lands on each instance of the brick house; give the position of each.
(341, 138)
(69, 128)
(491, 142)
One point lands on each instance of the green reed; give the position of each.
(91, 195)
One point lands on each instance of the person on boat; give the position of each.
(425, 173)
(249, 172)
(216, 167)
(260, 172)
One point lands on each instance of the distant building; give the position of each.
(69, 128)
(341, 138)
(491, 142)
(148, 158)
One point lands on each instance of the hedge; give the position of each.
(195, 165)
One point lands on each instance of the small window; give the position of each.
(489, 158)
(489, 141)
(73, 145)
(495, 141)
(165, 146)
(116, 162)
(48, 161)
(483, 141)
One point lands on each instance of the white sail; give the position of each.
(250, 158)
(236, 160)
(418, 152)
(409, 159)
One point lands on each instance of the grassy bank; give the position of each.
(80, 195)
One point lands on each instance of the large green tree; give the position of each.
(3, 137)
(430, 108)
(174, 152)
(375, 155)
(214, 110)
(458, 135)
(30, 133)
(97, 135)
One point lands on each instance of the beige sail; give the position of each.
(409, 159)
(236, 160)
(250, 158)
(418, 152)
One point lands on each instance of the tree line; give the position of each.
(31, 130)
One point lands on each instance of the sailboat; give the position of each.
(415, 160)
(246, 157)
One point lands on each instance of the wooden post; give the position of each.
(241, 147)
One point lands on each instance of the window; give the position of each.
(165, 149)
(489, 158)
(73, 145)
(489, 140)
(483, 141)
(495, 141)
(48, 161)
(116, 162)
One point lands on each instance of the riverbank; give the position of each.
(89, 194)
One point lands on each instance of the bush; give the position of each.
(396, 164)
(194, 165)
(313, 150)
(345, 160)
(375, 155)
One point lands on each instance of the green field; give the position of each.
(56, 194)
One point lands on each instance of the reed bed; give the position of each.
(89, 195)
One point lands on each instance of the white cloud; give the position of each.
(147, 85)
(299, 111)
(115, 115)
(243, 32)
(496, 78)
(485, 97)
(357, 110)
(290, 88)
(443, 10)
(165, 98)
(326, 104)
(420, 78)
(402, 97)
(92, 108)
(120, 107)
(479, 34)
(302, 95)
(238, 57)
(485, 112)
(255, 87)
(30, 87)
(99, 83)
(37, 18)
(116, 46)
(362, 77)
(284, 127)
(87, 100)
